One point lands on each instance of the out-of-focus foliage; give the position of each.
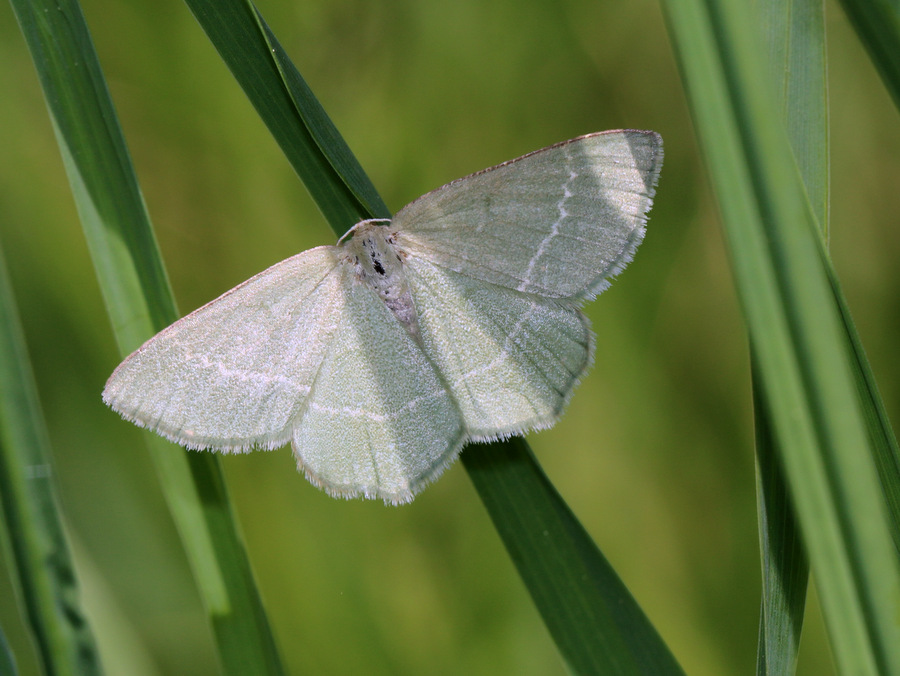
(658, 462)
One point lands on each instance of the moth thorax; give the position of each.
(380, 266)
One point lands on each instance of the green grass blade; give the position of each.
(37, 548)
(878, 26)
(269, 81)
(784, 563)
(140, 303)
(596, 623)
(7, 660)
(593, 593)
(796, 330)
(881, 435)
(322, 129)
(794, 33)
(877, 22)
(800, 69)
(76, 95)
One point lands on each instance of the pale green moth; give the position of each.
(380, 357)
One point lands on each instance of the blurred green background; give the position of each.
(655, 454)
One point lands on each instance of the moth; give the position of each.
(380, 357)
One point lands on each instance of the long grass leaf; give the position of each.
(7, 660)
(579, 569)
(44, 574)
(794, 33)
(877, 22)
(235, 30)
(785, 566)
(591, 615)
(140, 303)
(796, 331)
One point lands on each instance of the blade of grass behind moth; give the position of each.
(139, 303)
(794, 33)
(877, 22)
(596, 623)
(528, 554)
(310, 111)
(796, 331)
(320, 126)
(802, 69)
(806, 115)
(785, 567)
(7, 659)
(237, 33)
(44, 575)
(881, 435)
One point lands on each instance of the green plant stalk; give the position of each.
(139, 302)
(877, 22)
(597, 624)
(7, 661)
(581, 632)
(794, 32)
(796, 332)
(34, 542)
(785, 566)
(294, 117)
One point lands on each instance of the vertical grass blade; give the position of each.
(7, 661)
(885, 450)
(877, 24)
(35, 544)
(785, 566)
(800, 70)
(796, 331)
(794, 33)
(140, 303)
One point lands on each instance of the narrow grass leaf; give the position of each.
(877, 22)
(44, 575)
(574, 619)
(7, 659)
(794, 33)
(802, 74)
(785, 566)
(596, 623)
(140, 303)
(885, 450)
(322, 129)
(796, 331)
(236, 31)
